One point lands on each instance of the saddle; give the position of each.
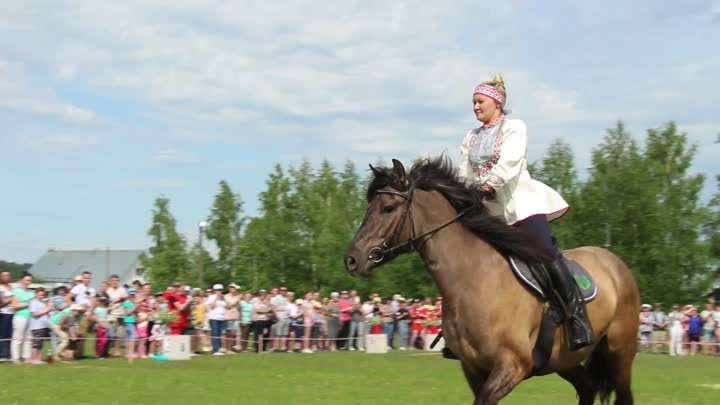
(537, 280)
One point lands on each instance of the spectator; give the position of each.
(180, 305)
(232, 317)
(129, 320)
(84, 295)
(707, 316)
(417, 316)
(297, 322)
(60, 323)
(200, 321)
(102, 325)
(660, 322)
(402, 317)
(39, 327)
(676, 320)
(217, 307)
(116, 314)
(22, 338)
(279, 304)
(357, 325)
(331, 312)
(646, 325)
(308, 310)
(245, 321)
(261, 319)
(6, 315)
(347, 307)
(387, 314)
(716, 318)
(695, 329)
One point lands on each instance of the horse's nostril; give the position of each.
(350, 263)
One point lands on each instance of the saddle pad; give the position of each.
(586, 284)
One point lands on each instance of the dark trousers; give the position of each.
(6, 322)
(261, 328)
(539, 227)
(342, 342)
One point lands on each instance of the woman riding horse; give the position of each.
(493, 158)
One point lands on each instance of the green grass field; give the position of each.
(324, 378)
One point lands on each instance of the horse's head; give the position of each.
(387, 222)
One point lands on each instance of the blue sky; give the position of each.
(105, 106)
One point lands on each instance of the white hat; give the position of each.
(188, 288)
(646, 306)
(233, 285)
(77, 278)
(334, 294)
(76, 307)
(218, 287)
(298, 301)
(400, 298)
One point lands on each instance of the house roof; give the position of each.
(62, 265)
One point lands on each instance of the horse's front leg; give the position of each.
(507, 373)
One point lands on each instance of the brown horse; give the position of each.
(490, 321)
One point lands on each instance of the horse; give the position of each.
(490, 321)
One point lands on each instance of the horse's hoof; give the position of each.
(448, 354)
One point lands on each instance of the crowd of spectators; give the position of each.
(685, 330)
(132, 320)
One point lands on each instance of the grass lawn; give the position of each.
(324, 378)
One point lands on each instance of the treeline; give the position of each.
(16, 269)
(639, 200)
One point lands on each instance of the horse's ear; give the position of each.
(376, 172)
(399, 172)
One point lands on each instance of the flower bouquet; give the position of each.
(166, 317)
(376, 325)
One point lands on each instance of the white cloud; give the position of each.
(55, 141)
(16, 93)
(173, 156)
(152, 183)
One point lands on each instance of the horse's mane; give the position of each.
(439, 175)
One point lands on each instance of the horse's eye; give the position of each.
(388, 209)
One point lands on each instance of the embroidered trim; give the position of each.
(490, 91)
(495, 122)
(482, 171)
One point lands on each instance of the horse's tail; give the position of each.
(597, 368)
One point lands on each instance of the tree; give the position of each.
(168, 260)
(16, 269)
(224, 225)
(557, 170)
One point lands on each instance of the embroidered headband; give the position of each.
(490, 91)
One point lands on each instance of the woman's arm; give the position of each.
(17, 305)
(512, 155)
(464, 149)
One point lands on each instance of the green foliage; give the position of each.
(168, 258)
(16, 269)
(224, 226)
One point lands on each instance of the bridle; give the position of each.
(378, 254)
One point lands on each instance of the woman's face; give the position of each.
(26, 281)
(485, 108)
(325, 301)
(39, 294)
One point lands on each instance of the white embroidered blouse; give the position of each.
(495, 154)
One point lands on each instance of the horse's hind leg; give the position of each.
(582, 382)
(619, 366)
